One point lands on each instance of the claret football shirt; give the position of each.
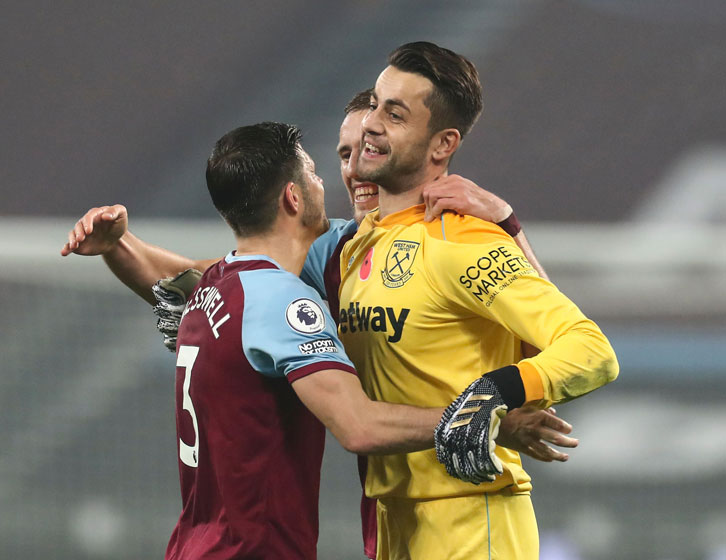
(249, 450)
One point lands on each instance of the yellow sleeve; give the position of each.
(494, 280)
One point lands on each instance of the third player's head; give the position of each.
(422, 105)
(250, 172)
(363, 194)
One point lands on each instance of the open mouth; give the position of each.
(365, 192)
(373, 151)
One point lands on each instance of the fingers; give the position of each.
(72, 243)
(432, 199)
(85, 227)
(440, 206)
(556, 423)
(543, 452)
(111, 213)
(558, 438)
(538, 431)
(553, 430)
(82, 227)
(96, 216)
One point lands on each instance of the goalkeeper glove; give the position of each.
(171, 296)
(464, 438)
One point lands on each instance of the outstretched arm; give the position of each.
(138, 264)
(454, 192)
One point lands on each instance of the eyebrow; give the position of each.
(395, 102)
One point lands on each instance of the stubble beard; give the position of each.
(397, 176)
(313, 217)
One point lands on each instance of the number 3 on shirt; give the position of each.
(189, 454)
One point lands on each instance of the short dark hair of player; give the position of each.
(456, 101)
(361, 102)
(247, 171)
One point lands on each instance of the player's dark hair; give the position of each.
(361, 102)
(456, 99)
(247, 171)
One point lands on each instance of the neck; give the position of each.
(390, 203)
(287, 248)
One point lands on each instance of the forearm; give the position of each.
(521, 240)
(576, 363)
(139, 264)
(511, 225)
(361, 425)
(394, 428)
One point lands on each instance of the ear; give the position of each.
(444, 143)
(291, 198)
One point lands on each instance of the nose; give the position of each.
(371, 123)
(351, 168)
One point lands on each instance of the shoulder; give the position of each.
(324, 251)
(324, 246)
(338, 229)
(274, 283)
(346, 226)
(457, 244)
(279, 299)
(455, 228)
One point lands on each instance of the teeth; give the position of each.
(372, 148)
(365, 193)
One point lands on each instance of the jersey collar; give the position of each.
(233, 258)
(406, 217)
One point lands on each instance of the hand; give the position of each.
(526, 430)
(464, 438)
(464, 197)
(171, 297)
(98, 231)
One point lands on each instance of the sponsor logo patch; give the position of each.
(398, 263)
(321, 346)
(494, 272)
(355, 318)
(305, 316)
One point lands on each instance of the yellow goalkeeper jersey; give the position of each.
(426, 308)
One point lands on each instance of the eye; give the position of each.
(394, 116)
(344, 156)
(372, 106)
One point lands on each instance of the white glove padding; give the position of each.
(464, 438)
(171, 295)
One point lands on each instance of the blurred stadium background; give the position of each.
(604, 126)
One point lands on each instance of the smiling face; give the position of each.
(396, 133)
(363, 194)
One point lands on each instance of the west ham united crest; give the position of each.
(398, 263)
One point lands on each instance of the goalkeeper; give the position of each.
(460, 297)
